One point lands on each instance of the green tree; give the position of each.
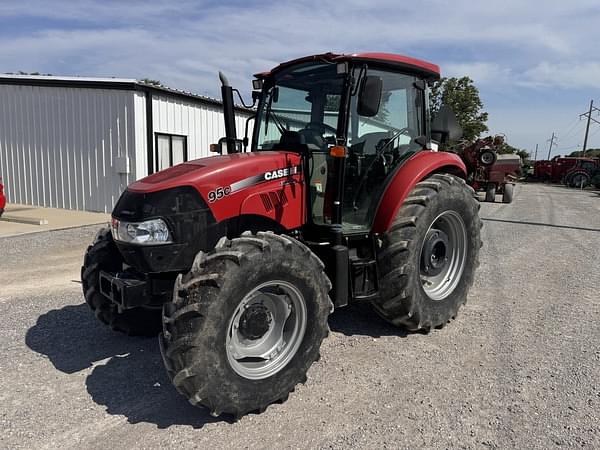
(589, 153)
(524, 154)
(151, 82)
(463, 97)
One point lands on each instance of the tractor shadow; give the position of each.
(360, 319)
(127, 374)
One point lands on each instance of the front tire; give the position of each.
(104, 255)
(490, 193)
(428, 257)
(246, 323)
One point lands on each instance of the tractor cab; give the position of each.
(355, 119)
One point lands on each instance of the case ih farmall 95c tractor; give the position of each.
(339, 200)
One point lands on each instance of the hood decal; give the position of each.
(266, 176)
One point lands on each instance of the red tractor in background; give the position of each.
(239, 259)
(489, 171)
(554, 171)
(2, 198)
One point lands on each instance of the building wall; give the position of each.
(61, 147)
(202, 124)
(79, 148)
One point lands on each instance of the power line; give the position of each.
(572, 128)
(551, 140)
(588, 115)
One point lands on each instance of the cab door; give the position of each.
(377, 146)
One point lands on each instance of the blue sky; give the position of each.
(537, 64)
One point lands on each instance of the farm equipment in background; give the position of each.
(489, 171)
(2, 198)
(555, 170)
(584, 172)
(240, 258)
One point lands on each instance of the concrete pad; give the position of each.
(22, 219)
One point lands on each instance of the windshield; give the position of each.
(301, 108)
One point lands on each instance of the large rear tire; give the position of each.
(578, 180)
(428, 257)
(246, 323)
(104, 255)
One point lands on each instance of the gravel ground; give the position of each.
(519, 368)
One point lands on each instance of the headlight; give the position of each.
(149, 232)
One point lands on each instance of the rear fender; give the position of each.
(417, 168)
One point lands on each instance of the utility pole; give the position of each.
(588, 115)
(536, 148)
(551, 140)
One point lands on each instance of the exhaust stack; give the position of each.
(228, 113)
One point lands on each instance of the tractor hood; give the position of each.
(237, 171)
(256, 183)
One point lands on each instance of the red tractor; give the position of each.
(554, 171)
(489, 171)
(339, 200)
(2, 198)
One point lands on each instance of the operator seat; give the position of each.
(292, 141)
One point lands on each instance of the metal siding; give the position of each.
(57, 145)
(140, 136)
(201, 124)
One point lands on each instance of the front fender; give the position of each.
(415, 169)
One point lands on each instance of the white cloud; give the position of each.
(482, 73)
(502, 45)
(564, 75)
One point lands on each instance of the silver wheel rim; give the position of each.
(257, 358)
(487, 157)
(441, 285)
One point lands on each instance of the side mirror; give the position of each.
(369, 97)
(221, 147)
(445, 125)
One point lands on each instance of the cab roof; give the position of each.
(390, 60)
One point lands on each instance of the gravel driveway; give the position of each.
(519, 368)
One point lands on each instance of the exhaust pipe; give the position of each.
(228, 113)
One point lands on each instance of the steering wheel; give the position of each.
(313, 133)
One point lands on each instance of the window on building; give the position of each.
(171, 149)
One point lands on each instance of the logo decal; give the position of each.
(267, 176)
(280, 173)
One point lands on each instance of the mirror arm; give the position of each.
(242, 100)
(245, 140)
(361, 75)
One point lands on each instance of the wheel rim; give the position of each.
(579, 179)
(443, 255)
(266, 330)
(487, 157)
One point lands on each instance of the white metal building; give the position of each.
(76, 143)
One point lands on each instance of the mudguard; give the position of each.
(415, 169)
